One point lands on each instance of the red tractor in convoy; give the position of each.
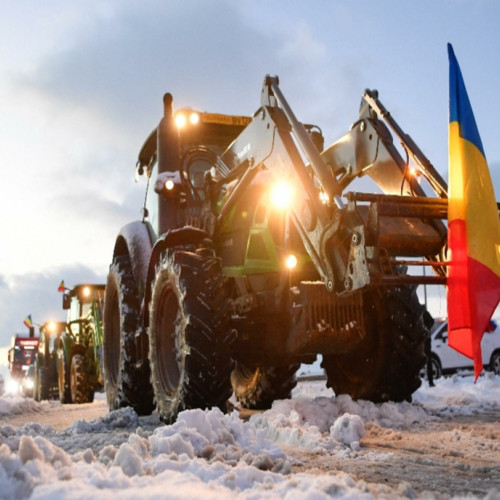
(22, 354)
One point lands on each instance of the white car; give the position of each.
(446, 360)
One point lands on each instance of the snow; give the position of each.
(211, 455)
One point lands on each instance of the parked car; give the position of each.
(446, 360)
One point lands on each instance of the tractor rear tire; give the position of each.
(387, 366)
(63, 379)
(190, 336)
(79, 380)
(36, 394)
(126, 384)
(36, 385)
(41, 382)
(257, 387)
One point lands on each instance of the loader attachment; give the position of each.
(353, 240)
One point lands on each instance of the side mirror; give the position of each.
(66, 301)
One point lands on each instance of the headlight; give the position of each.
(180, 120)
(194, 118)
(291, 262)
(29, 383)
(282, 195)
(166, 183)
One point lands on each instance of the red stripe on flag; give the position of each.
(472, 297)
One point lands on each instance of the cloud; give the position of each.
(204, 52)
(36, 294)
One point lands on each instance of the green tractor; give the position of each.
(45, 377)
(259, 250)
(79, 355)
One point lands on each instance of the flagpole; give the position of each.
(425, 290)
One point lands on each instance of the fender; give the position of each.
(136, 240)
(187, 235)
(77, 349)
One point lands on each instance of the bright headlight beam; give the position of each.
(12, 386)
(291, 262)
(281, 195)
(180, 120)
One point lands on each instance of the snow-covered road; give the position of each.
(445, 444)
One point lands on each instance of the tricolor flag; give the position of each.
(61, 287)
(28, 322)
(473, 228)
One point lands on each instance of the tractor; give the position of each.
(256, 252)
(80, 351)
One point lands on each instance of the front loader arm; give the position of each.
(368, 149)
(269, 143)
(343, 242)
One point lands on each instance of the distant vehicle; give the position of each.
(446, 360)
(79, 365)
(46, 382)
(21, 354)
(28, 382)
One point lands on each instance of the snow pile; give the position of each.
(124, 418)
(454, 395)
(207, 454)
(16, 405)
(329, 423)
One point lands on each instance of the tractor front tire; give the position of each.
(257, 387)
(387, 366)
(41, 382)
(36, 384)
(190, 336)
(125, 383)
(63, 379)
(79, 380)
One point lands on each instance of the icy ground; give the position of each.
(209, 455)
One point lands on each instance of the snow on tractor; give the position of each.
(80, 351)
(255, 253)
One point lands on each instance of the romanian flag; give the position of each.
(28, 322)
(61, 287)
(473, 228)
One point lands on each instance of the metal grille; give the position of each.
(331, 322)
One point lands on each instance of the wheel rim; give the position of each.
(166, 347)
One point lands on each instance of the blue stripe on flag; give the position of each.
(460, 108)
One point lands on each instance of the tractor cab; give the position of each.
(79, 302)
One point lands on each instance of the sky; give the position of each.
(81, 86)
